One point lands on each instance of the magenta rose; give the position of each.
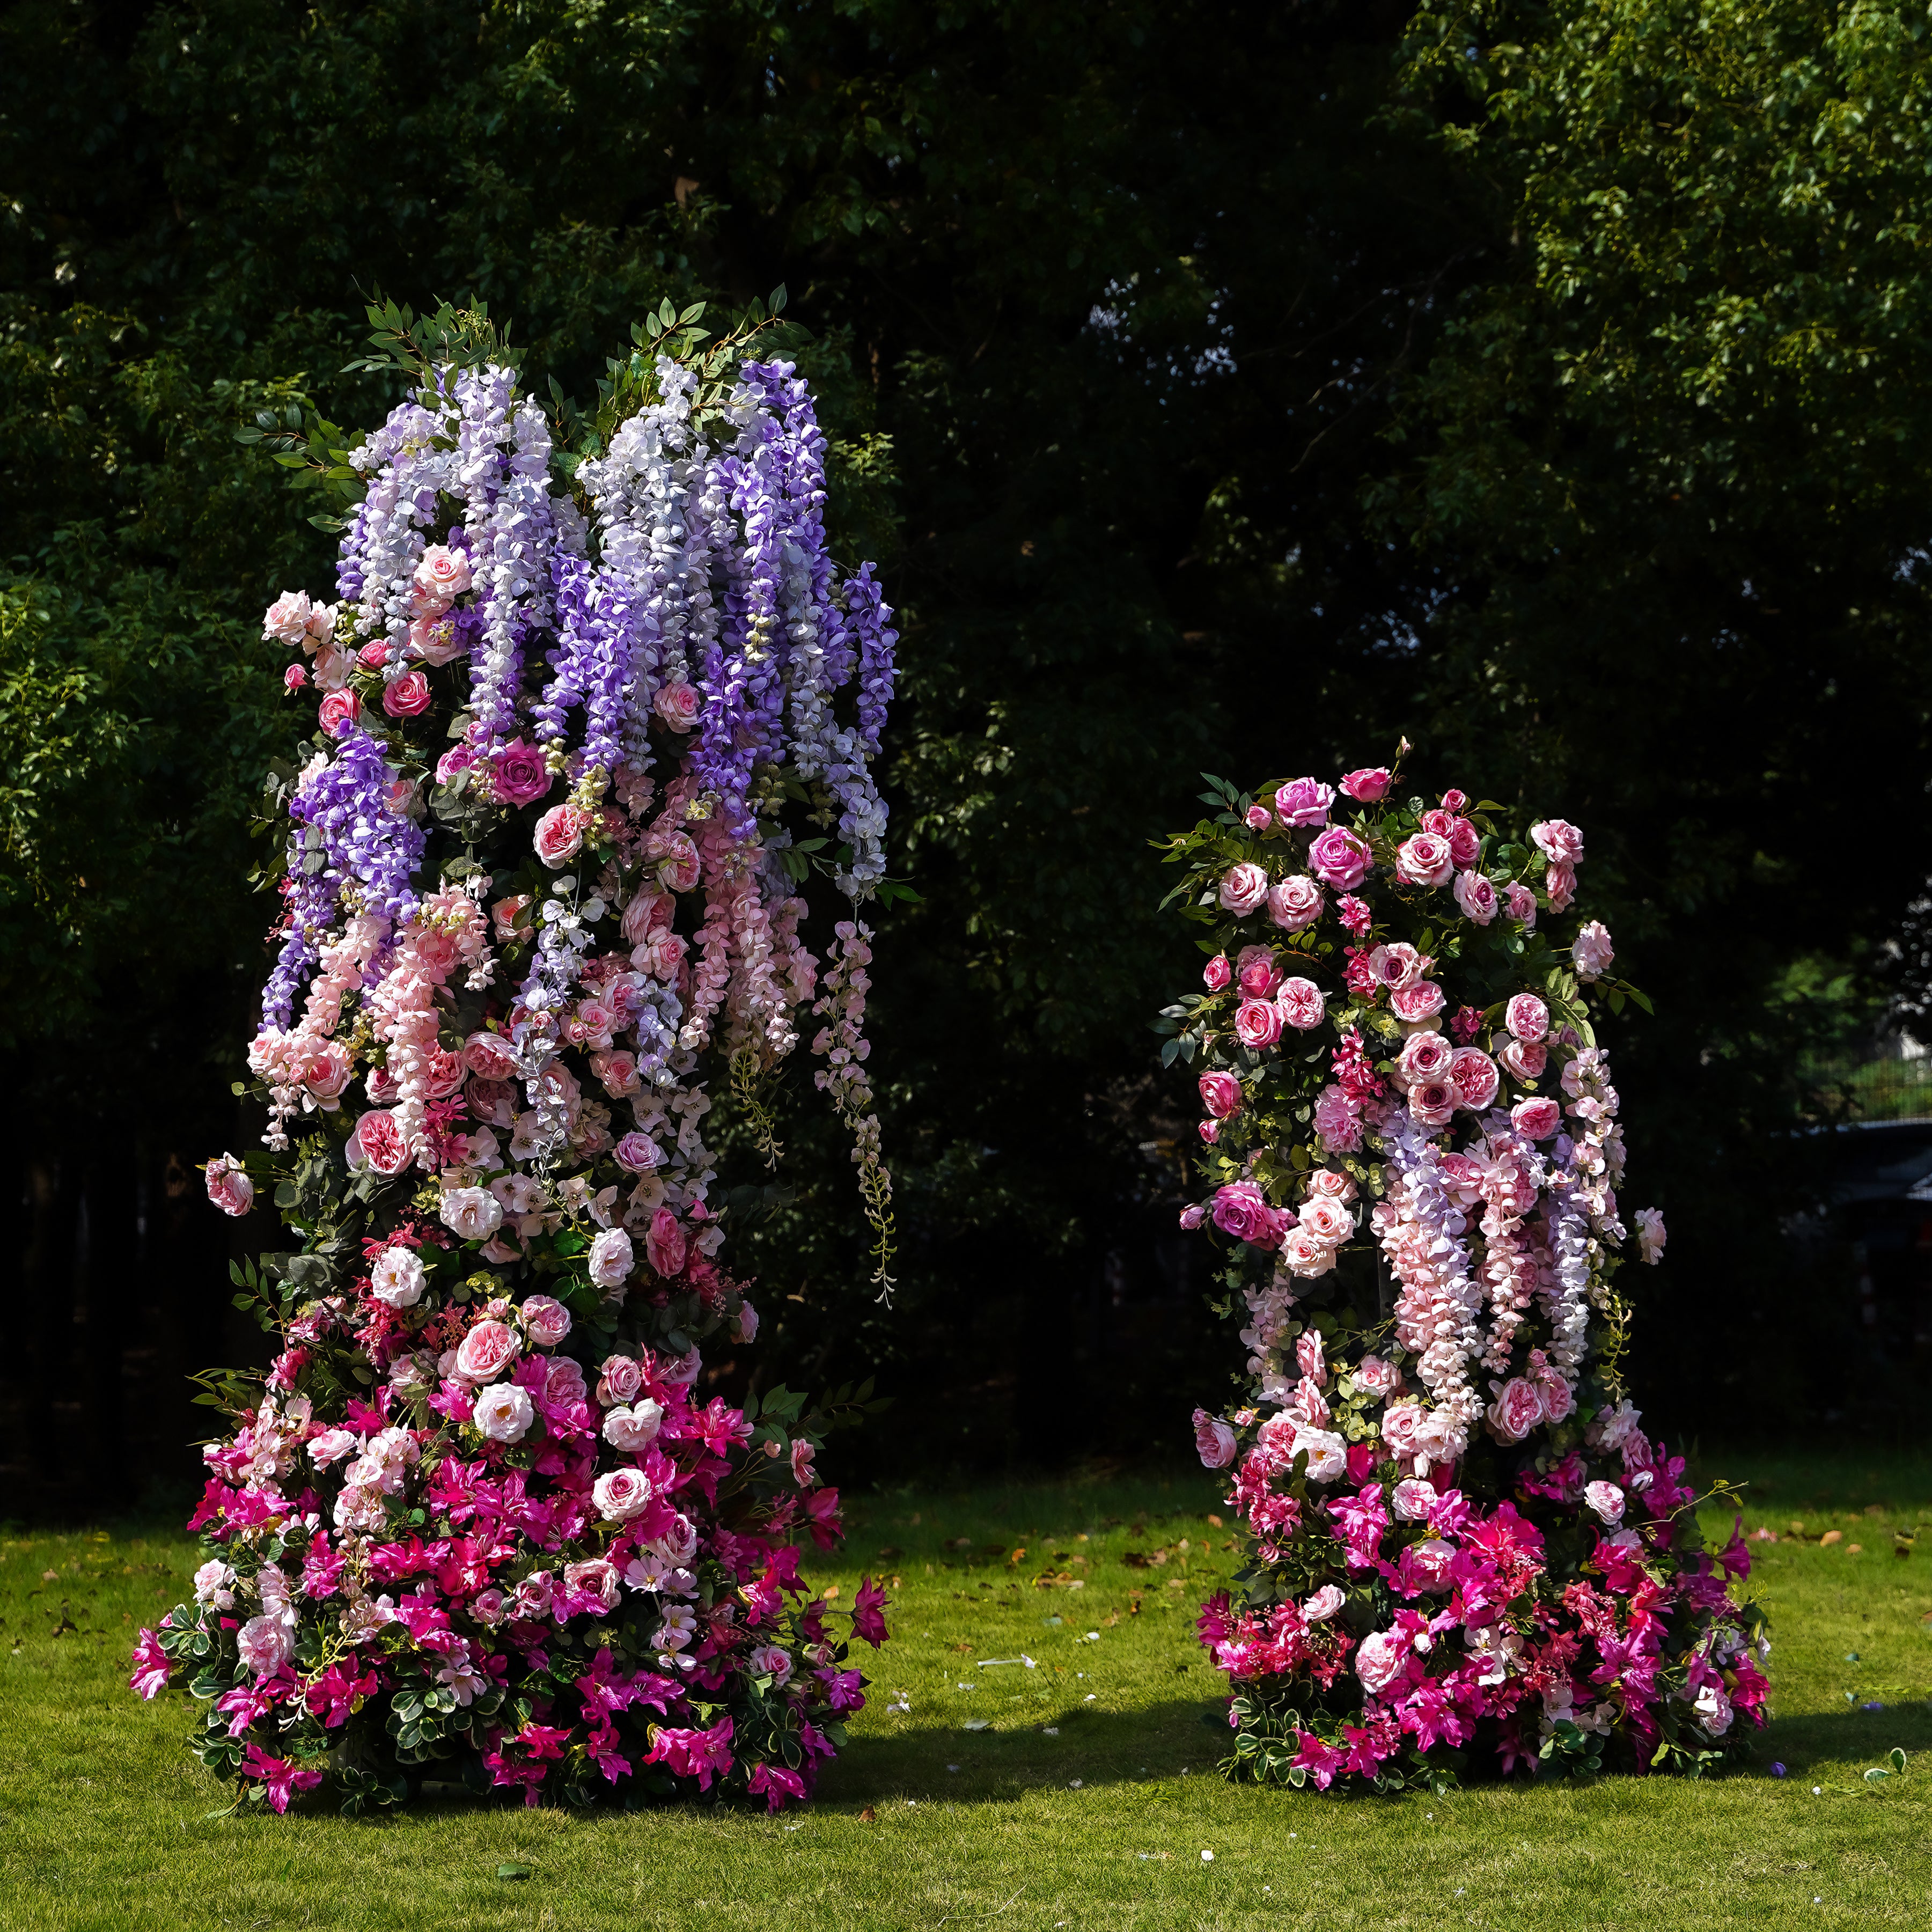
(1557, 839)
(1519, 902)
(1424, 860)
(1304, 802)
(1214, 1441)
(1433, 1103)
(228, 1187)
(1527, 1018)
(406, 696)
(522, 775)
(677, 705)
(1217, 974)
(1423, 1000)
(1476, 1078)
(485, 1351)
(559, 835)
(1524, 1059)
(1516, 1410)
(1536, 1120)
(1339, 858)
(1221, 1095)
(1300, 1001)
(337, 712)
(378, 1143)
(454, 763)
(1244, 887)
(1477, 896)
(1371, 783)
(1240, 1210)
(1257, 1023)
(1295, 904)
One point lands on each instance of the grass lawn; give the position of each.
(1085, 1799)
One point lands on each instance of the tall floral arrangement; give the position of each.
(1465, 1552)
(542, 889)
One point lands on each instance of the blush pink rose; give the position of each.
(546, 1320)
(1294, 904)
(228, 1187)
(1465, 842)
(677, 859)
(1304, 801)
(1329, 1223)
(559, 835)
(1606, 1501)
(326, 1072)
(1398, 965)
(1424, 860)
(286, 620)
(1401, 1427)
(1425, 1056)
(1217, 974)
(454, 763)
(1340, 859)
(1214, 1441)
(1324, 1603)
(1524, 1059)
(1258, 818)
(1257, 1023)
(1379, 1378)
(1557, 839)
(638, 1153)
(1300, 1001)
(1592, 952)
(1476, 1078)
(485, 1351)
(677, 704)
(522, 774)
(1413, 1500)
(1413, 1004)
(489, 1055)
(443, 573)
(1536, 1120)
(1433, 1102)
(434, 637)
(1243, 887)
(1477, 896)
(619, 1381)
(621, 1494)
(1519, 902)
(1382, 1658)
(1516, 1410)
(1327, 1184)
(337, 712)
(378, 1143)
(1559, 881)
(1371, 783)
(1221, 1095)
(1527, 1018)
(406, 696)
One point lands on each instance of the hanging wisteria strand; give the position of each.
(540, 899)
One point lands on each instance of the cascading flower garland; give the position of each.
(1467, 1554)
(480, 1523)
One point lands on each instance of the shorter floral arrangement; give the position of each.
(1466, 1551)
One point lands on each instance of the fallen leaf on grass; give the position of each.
(976, 1724)
(506, 1870)
(866, 1817)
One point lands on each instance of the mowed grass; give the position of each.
(1086, 1800)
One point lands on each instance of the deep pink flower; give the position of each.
(868, 1607)
(277, 1777)
(150, 1667)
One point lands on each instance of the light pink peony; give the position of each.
(1412, 1501)
(1304, 802)
(1340, 859)
(485, 1351)
(1214, 1441)
(1322, 1605)
(1592, 952)
(1516, 1410)
(1606, 1501)
(228, 1187)
(1527, 1018)
(1477, 896)
(1536, 1120)
(1371, 783)
(471, 1213)
(1300, 1005)
(1257, 1023)
(378, 1143)
(1424, 860)
(1475, 1076)
(1243, 887)
(1294, 904)
(265, 1644)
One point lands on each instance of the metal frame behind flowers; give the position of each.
(590, 677)
(1464, 1553)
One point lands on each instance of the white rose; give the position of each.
(397, 1278)
(611, 1258)
(472, 1213)
(1327, 1454)
(503, 1412)
(330, 1446)
(631, 1430)
(1323, 1605)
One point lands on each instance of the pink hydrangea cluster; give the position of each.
(542, 909)
(1468, 1552)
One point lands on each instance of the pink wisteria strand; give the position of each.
(484, 1517)
(1468, 1555)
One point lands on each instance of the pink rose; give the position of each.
(1304, 802)
(325, 1072)
(1258, 818)
(1339, 858)
(1592, 952)
(378, 1143)
(1309, 1357)
(1651, 1234)
(490, 1056)
(1328, 1221)
(1256, 972)
(563, 1383)
(619, 1381)
(1413, 1500)
(1327, 1601)
(621, 1494)
(522, 775)
(1216, 975)
(372, 657)
(1398, 966)
(1244, 887)
(1414, 1004)
(454, 763)
(1519, 902)
(1424, 860)
(611, 1258)
(638, 1153)
(1476, 1078)
(294, 677)
(546, 1320)
(1221, 1095)
(435, 639)
(511, 917)
(677, 859)
(1559, 840)
(443, 573)
(1559, 1400)
(595, 1576)
(1536, 1120)
(1327, 1184)
(337, 712)
(1381, 1659)
(1214, 1441)
(1477, 896)
(1371, 783)
(617, 1072)
(1516, 1410)
(1433, 1103)
(1527, 1018)
(1465, 842)
(485, 1351)
(1305, 1254)
(559, 835)
(664, 1246)
(1606, 1501)
(1299, 1002)
(1379, 1378)
(1295, 904)
(1401, 1427)
(1453, 800)
(265, 1643)
(677, 704)
(503, 1412)
(1241, 1211)
(1257, 1023)
(1193, 1215)
(286, 620)
(1560, 883)
(1425, 1056)
(228, 1187)
(1524, 1059)
(405, 696)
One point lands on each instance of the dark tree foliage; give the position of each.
(1215, 389)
